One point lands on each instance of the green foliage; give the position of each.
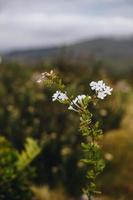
(91, 149)
(15, 171)
(30, 152)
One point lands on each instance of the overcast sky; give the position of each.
(33, 23)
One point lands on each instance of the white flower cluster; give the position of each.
(101, 89)
(75, 103)
(60, 96)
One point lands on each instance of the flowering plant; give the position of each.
(89, 130)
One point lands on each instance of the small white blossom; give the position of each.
(93, 85)
(55, 96)
(78, 100)
(97, 86)
(81, 97)
(58, 95)
(70, 108)
(108, 90)
(63, 96)
(101, 95)
(101, 89)
(75, 103)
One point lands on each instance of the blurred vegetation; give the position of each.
(118, 148)
(26, 110)
(44, 193)
(15, 171)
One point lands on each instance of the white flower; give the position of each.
(70, 108)
(55, 96)
(101, 95)
(97, 86)
(93, 85)
(78, 100)
(58, 95)
(108, 90)
(101, 89)
(75, 103)
(81, 97)
(63, 96)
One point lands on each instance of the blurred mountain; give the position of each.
(118, 50)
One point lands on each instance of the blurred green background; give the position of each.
(26, 110)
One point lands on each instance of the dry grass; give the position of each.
(44, 193)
